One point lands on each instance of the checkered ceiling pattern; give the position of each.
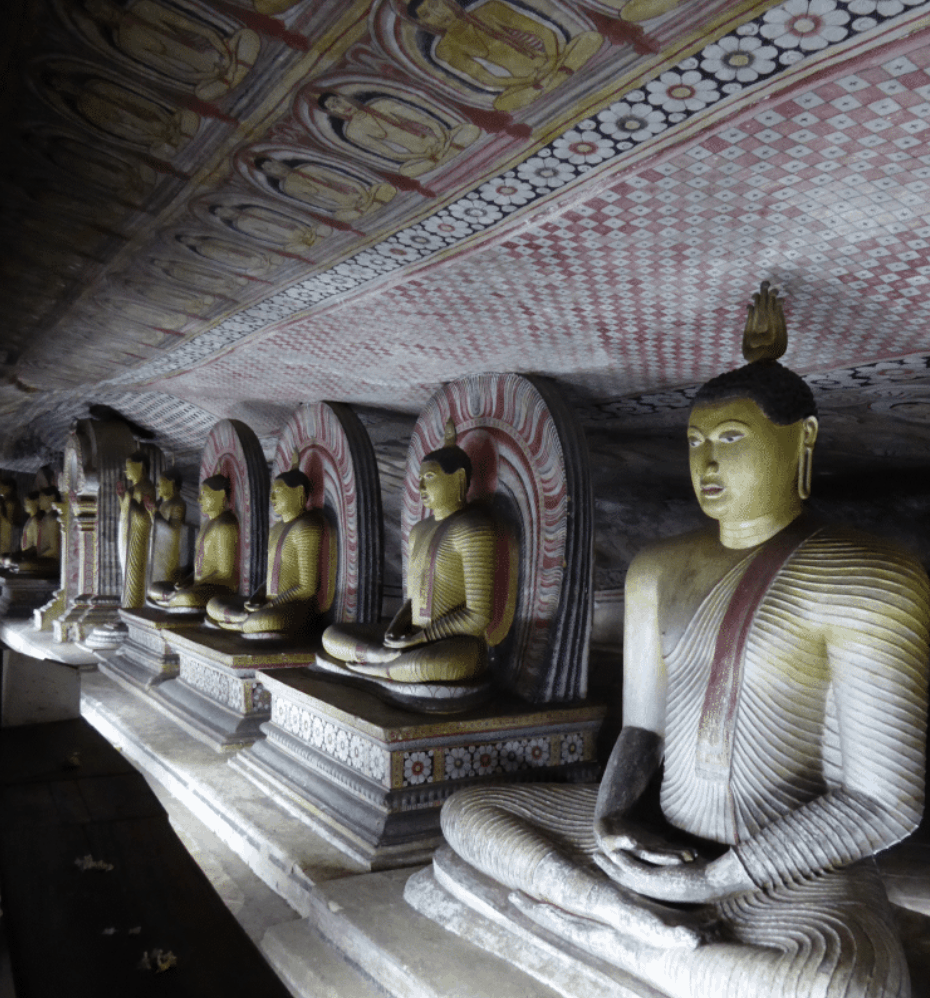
(635, 283)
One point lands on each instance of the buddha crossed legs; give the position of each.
(777, 667)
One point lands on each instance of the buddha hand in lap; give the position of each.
(777, 667)
(216, 568)
(288, 601)
(439, 632)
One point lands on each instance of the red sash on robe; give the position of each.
(721, 701)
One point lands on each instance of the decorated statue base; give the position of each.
(21, 593)
(144, 660)
(83, 616)
(476, 908)
(218, 694)
(371, 777)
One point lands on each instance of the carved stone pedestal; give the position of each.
(371, 777)
(218, 694)
(84, 614)
(22, 593)
(144, 659)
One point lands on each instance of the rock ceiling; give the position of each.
(224, 208)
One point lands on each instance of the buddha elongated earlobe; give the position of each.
(805, 464)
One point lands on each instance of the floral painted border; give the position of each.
(494, 758)
(755, 52)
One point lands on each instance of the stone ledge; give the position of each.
(281, 850)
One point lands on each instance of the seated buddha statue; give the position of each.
(216, 556)
(439, 634)
(10, 516)
(167, 514)
(29, 541)
(288, 601)
(775, 673)
(135, 527)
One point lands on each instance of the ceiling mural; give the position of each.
(309, 129)
(260, 202)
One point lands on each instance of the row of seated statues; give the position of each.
(774, 689)
(40, 540)
(437, 635)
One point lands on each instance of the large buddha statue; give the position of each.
(135, 528)
(775, 672)
(216, 555)
(440, 631)
(288, 601)
(167, 514)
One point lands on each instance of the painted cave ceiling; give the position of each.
(222, 208)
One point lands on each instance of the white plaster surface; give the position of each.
(35, 691)
(409, 956)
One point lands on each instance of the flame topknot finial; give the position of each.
(765, 336)
(448, 439)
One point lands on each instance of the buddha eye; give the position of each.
(695, 441)
(731, 436)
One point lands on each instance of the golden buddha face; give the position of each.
(436, 14)
(212, 501)
(165, 488)
(440, 491)
(287, 502)
(743, 466)
(339, 106)
(31, 506)
(135, 471)
(45, 503)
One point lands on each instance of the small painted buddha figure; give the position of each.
(135, 528)
(287, 602)
(10, 516)
(216, 557)
(167, 515)
(775, 670)
(439, 634)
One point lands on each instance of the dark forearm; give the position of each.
(633, 762)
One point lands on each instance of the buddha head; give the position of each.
(214, 495)
(445, 475)
(137, 467)
(31, 504)
(47, 498)
(434, 15)
(336, 105)
(169, 484)
(289, 494)
(752, 431)
(273, 168)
